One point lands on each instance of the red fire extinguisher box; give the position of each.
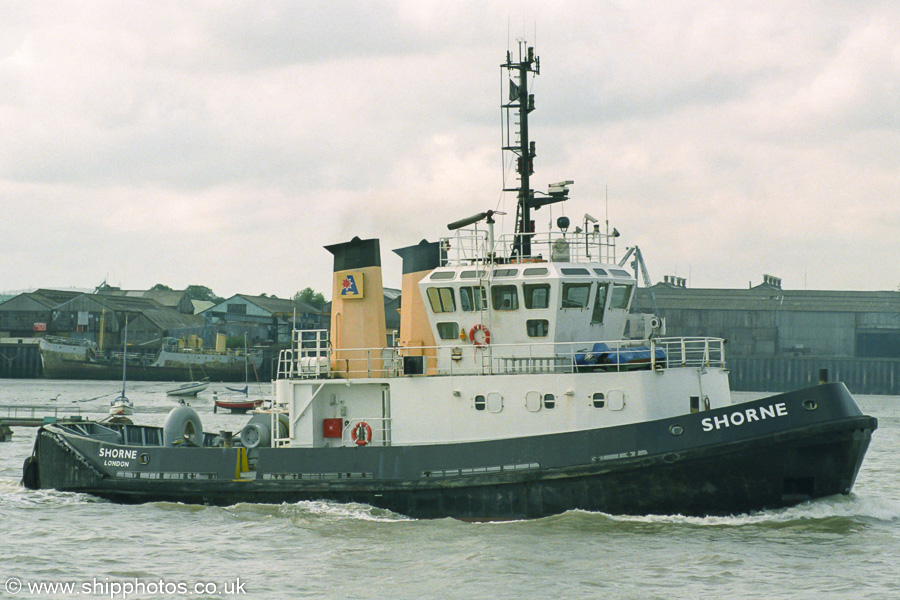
(332, 428)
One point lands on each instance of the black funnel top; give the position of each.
(424, 256)
(356, 254)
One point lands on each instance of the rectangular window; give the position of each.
(443, 275)
(537, 327)
(504, 297)
(537, 295)
(600, 303)
(448, 331)
(621, 295)
(506, 272)
(535, 271)
(575, 295)
(237, 309)
(472, 298)
(441, 299)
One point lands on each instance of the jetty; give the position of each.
(34, 415)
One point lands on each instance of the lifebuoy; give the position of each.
(361, 433)
(485, 332)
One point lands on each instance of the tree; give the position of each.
(201, 292)
(311, 297)
(160, 287)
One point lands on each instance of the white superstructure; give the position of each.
(522, 348)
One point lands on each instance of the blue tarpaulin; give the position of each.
(601, 354)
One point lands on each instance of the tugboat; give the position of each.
(512, 394)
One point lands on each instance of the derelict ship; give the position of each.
(511, 394)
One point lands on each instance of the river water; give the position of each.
(841, 547)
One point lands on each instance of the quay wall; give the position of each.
(880, 376)
(20, 358)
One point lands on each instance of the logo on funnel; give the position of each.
(352, 285)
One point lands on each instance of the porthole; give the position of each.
(599, 400)
(480, 402)
(549, 401)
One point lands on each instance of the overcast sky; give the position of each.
(224, 143)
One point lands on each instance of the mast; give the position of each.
(124, 355)
(523, 148)
(520, 104)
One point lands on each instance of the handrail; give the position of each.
(470, 246)
(12, 410)
(318, 361)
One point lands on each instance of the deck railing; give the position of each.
(473, 247)
(312, 358)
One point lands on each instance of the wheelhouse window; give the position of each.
(472, 274)
(575, 295)
(537, 327)
(575, 271)
(448, 330)
(506, 272)
(443, 275)
(535, 271)
(441, 299)
(537, 295)
(621, 295)
(504, 297)
(600, 303)
(472, 298)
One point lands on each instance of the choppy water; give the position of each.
(843, 547)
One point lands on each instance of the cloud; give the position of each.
(224, 143)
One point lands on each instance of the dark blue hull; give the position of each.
(770, 453)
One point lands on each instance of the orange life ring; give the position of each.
(361, 433)
(484, 330)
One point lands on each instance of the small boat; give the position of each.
(513, 393)
(237, 405)
(191, 388)
(121, 406)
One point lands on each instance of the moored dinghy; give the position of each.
(191, 388)
(511, 395)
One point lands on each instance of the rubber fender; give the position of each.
(254, 435)
(182, 427)
(284, 426)
(30, 474)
